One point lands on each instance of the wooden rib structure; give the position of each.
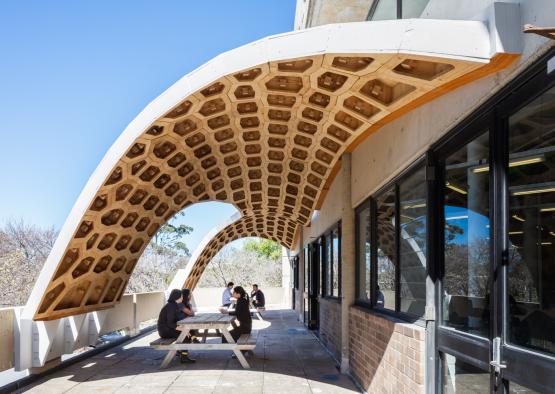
(267, 139)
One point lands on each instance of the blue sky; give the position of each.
(73, 74)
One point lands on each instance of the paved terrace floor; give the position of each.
(287, 359)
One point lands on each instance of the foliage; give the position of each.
(169, 238)
(23, 251)
(243, 267)
(263, 248)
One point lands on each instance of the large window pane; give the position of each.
(386, 9)
(413, 8)
(386, 248)
(531, 181)
(363, 258)
(412, 259)
(328, 265)
(466, 235)
(306, 268)
(336, 262)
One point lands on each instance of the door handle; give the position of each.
(496, 362)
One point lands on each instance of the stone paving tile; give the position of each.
(288, 359)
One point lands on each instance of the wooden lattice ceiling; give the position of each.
(267, 139)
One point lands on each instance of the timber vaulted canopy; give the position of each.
(261, 127)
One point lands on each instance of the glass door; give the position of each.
(467, 279)
(313, 286)
(496, 292)
(528, 244)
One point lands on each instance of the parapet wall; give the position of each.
(386, 355)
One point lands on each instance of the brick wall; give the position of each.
(386, 355)
(330, 325)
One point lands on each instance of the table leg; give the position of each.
(171, 353)
(237, 352)
(204, 333)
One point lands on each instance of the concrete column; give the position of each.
(348, 259)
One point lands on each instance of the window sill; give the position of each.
(396, 317)
(331, 299)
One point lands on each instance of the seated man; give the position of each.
(257, 296)
(226, 296)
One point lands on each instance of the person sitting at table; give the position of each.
(257, 296)
(167, 321)
(226, 295)
(242, 312)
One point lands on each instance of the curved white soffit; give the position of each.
(459, 40)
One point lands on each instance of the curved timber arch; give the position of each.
(261, 127)
(234, 228)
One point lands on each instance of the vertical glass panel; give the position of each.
(412, 258)
(386, 9)
(386, 248)
(328, 265)
(531, 222)
(413, 8)
(335, 262)
(460, 377)
(323, 265)
(363, 258)
(306, 268)
(465, 292)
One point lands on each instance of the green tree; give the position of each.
(169, 237)
(263, 248)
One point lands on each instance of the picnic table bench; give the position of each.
(206, 322)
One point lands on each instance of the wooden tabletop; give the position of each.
(207, 320)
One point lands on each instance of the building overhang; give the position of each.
(261, 127)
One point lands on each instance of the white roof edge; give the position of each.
(464, 40)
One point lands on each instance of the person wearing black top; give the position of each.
(168, 318)
(242, 312)
(257, 296)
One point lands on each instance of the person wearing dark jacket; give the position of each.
(242, 312)
(168, 318)
(257, 296)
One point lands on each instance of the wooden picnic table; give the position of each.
(205, 322)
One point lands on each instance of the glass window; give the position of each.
(363, 251)
(413, 8)
(328, 265)
(531, 225)
(465, 292)
(412, 257)
(306, 268)
(385, 9)
(386, 250)
(460, 377)
(336, 262)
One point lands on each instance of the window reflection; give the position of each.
(461, 377)
(335, 262)
(363, 260)
(412, 259)
(531, 222)
(466, 238)
(386, 248)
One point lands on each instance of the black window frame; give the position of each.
(325, 259)
(523, 89)
(421, 163)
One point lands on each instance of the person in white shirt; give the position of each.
(226, 296)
